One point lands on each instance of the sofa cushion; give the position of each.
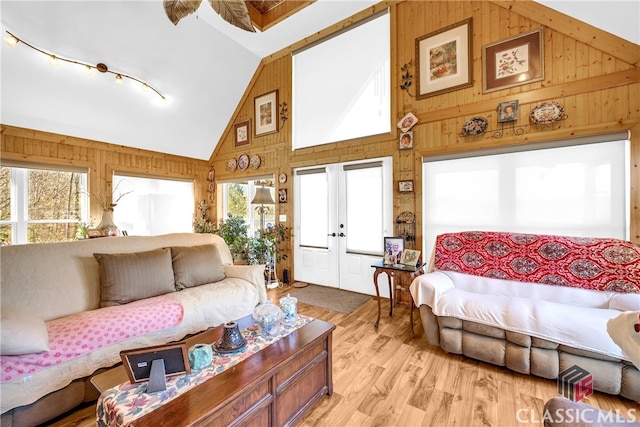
(22, 332)
(196, 265)
(133, 276)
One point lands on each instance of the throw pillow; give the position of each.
(196, 265)
(22, 332)
(134, 276)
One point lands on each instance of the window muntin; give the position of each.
(41, 204)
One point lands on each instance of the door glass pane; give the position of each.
(314, 210)
(364, 216)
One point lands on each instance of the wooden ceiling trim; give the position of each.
(578, 30)
(266, 16)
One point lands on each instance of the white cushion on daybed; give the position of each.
(571, 316)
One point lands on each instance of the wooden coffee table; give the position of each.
(276, 386)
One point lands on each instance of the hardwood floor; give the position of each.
(387, 378)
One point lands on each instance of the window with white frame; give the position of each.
(580, 188)
(151, 206)
(237, 197)
(41, 203)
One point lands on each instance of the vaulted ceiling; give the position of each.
(202, 65)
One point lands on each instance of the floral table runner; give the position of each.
(121, 405)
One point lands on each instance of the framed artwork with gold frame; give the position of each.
(445, 60)
(266, 113)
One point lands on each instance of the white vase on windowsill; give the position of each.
(107, 227)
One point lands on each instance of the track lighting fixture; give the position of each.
(54, 59)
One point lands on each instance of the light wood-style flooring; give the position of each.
(386, 378)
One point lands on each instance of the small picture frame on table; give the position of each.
(137, 362)
(410, 258)
(393, 250)
(405, 186)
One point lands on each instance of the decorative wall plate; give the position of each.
(475, 126)
(231, 165)
(546, 112)
(254, 162)
(282, 178)
(243, 161)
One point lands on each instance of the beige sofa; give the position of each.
(58, 280)
(535, 304)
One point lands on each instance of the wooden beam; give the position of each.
(572, 27)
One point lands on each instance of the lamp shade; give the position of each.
(263, 197)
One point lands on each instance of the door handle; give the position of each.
(332, 234)
(342, 235)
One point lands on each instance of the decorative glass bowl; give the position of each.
(268, 317)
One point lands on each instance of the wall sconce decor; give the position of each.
(54, 59)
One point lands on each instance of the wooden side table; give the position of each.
(396, 271)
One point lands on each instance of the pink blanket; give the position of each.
(81, 333)
(588, 263)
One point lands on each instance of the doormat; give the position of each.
(330, 298)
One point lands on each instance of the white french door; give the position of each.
(342, 213)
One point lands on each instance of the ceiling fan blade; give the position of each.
(235, 12)
(178, 9)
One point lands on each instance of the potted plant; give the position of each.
(263, 249)
(233, 231)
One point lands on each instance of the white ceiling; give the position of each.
(202, 65)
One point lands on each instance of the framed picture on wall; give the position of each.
(405, 186)
(282, 195)
(266, 113)
(515, 61)
(445, 61)
(406, 140)
(507, 111)
(242, 132)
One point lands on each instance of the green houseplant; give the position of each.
(233, 231)
(263, 249)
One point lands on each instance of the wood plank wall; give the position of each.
(101, 159)
(600, 92)
(593, 74)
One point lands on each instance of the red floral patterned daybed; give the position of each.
(537, 304)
